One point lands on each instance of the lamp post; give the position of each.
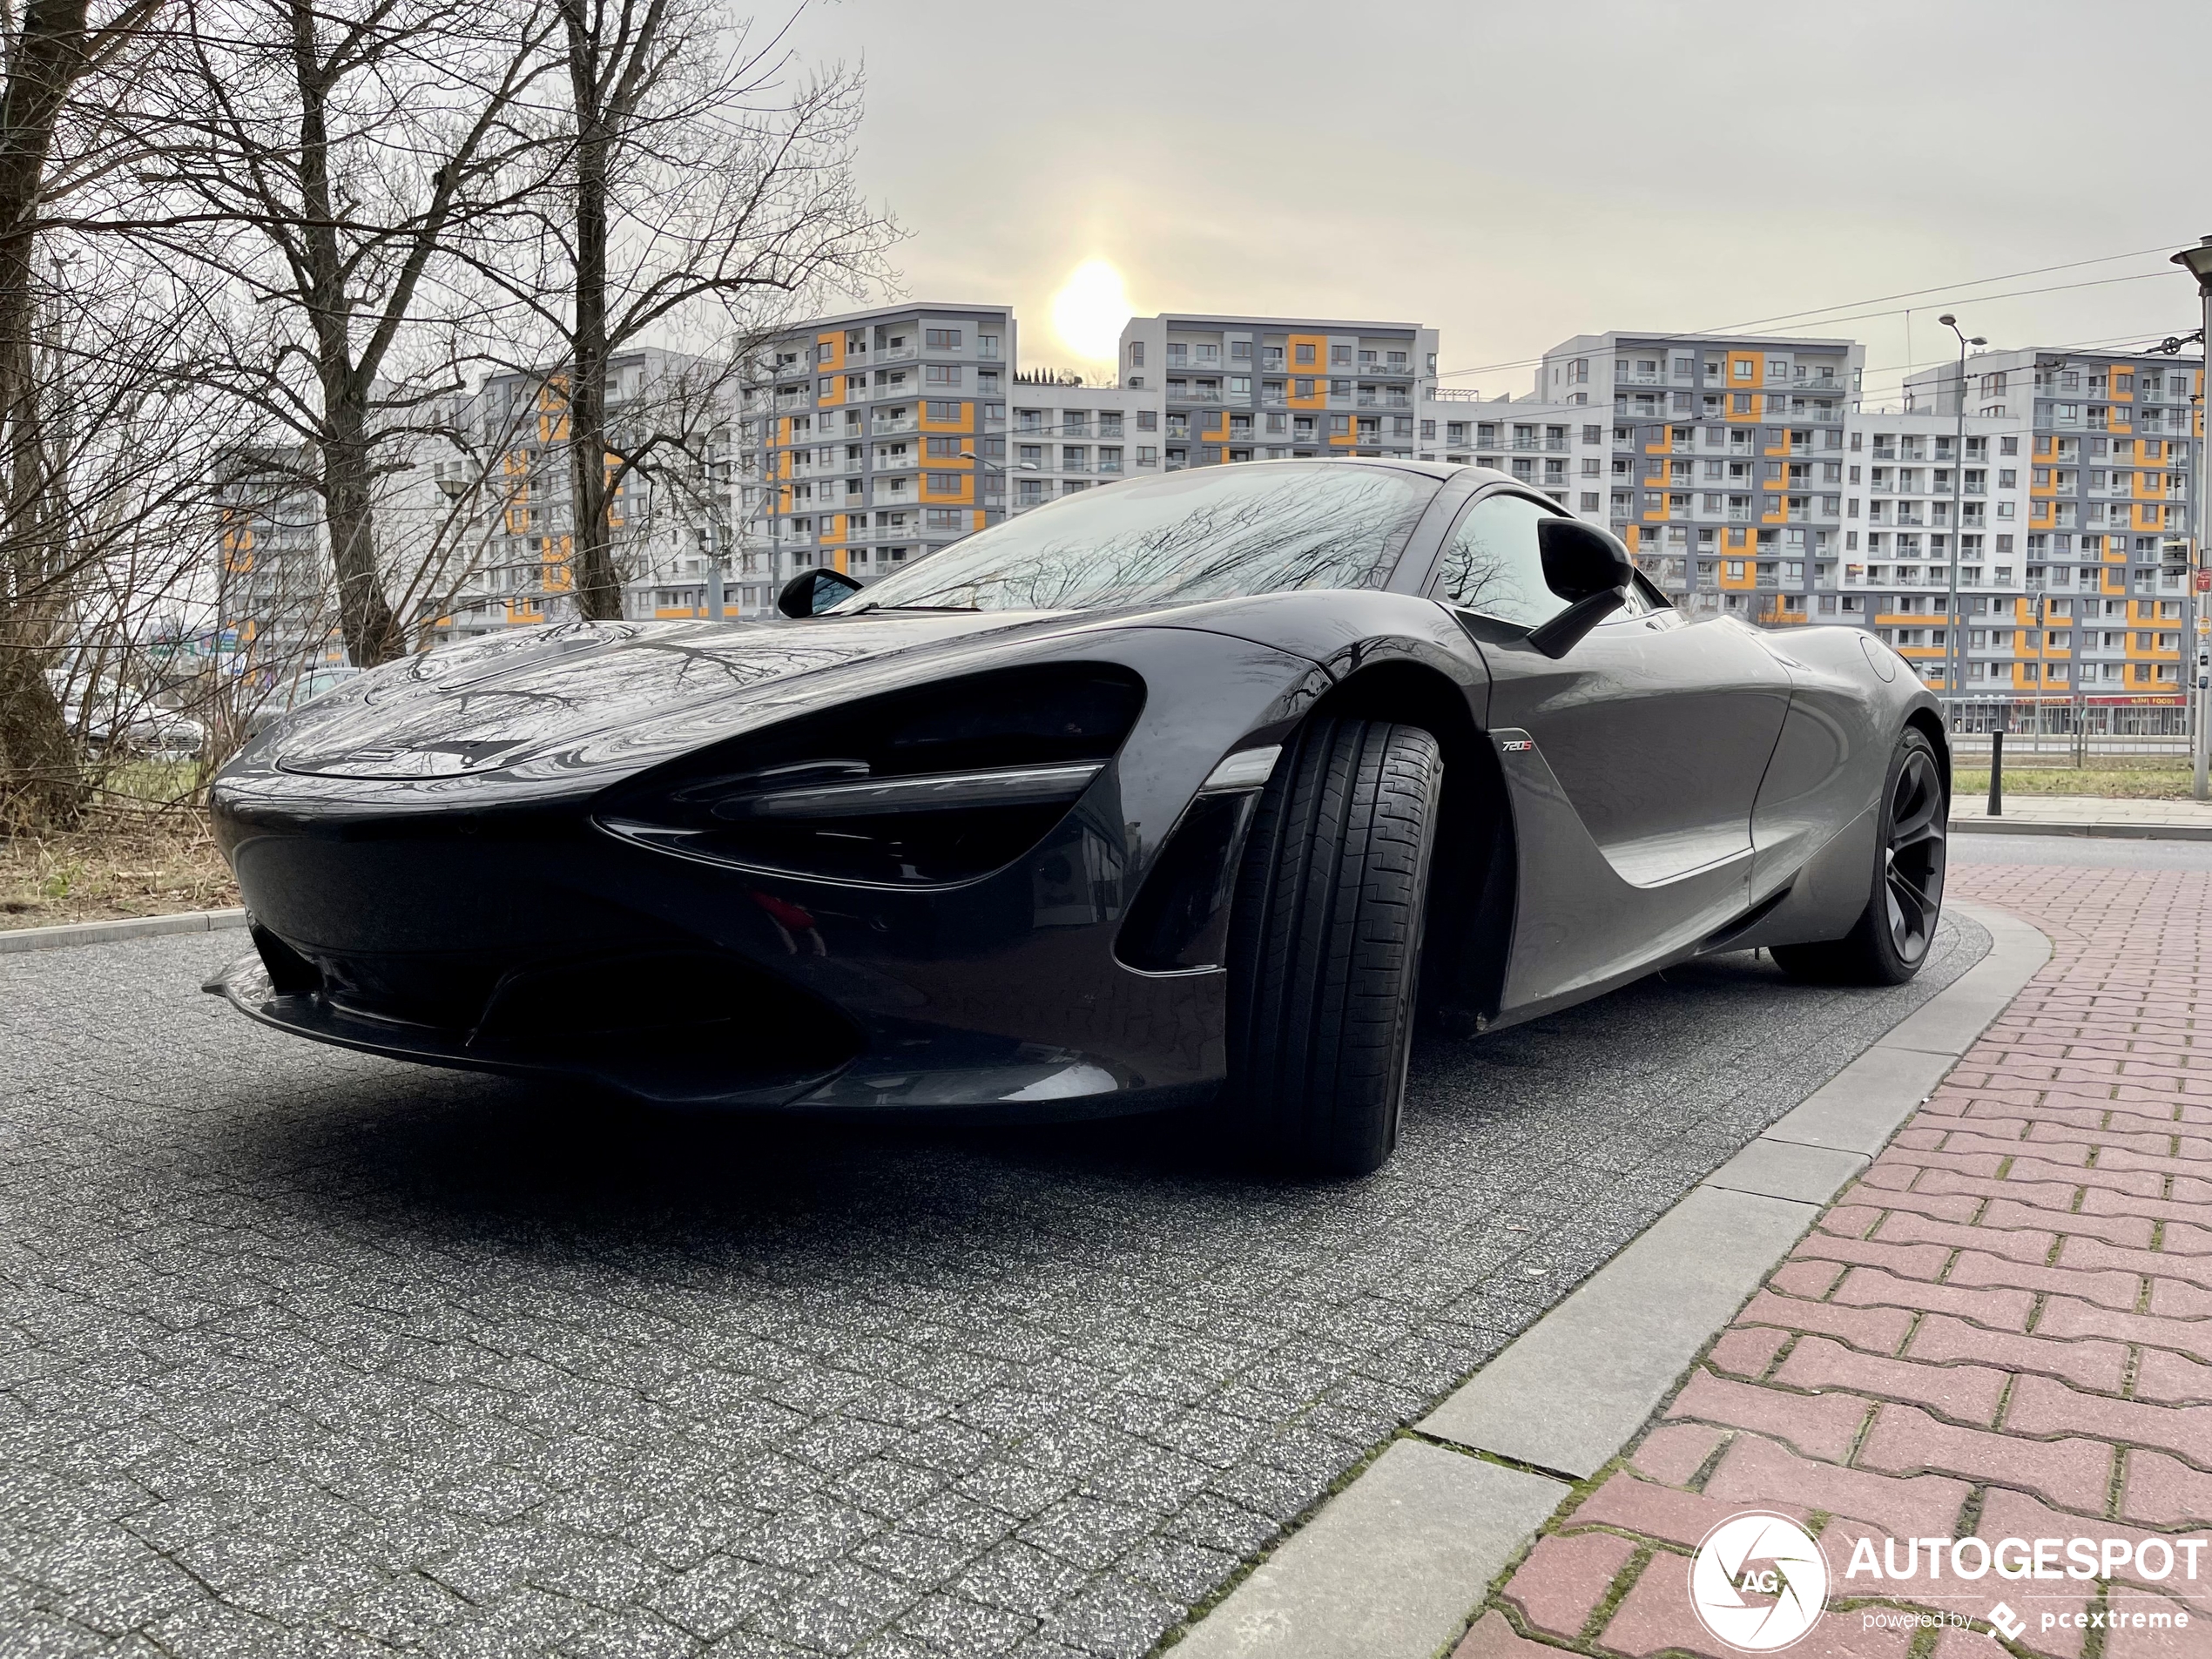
(1004, 472)
(1953, 654)
(2198, 262)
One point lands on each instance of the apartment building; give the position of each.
(486, 531)
(1724, 457)
(1745, 474)
(1067, 437)
(274, 589)
(1264, 388)
(868, 439)
(1919, 495)
(1556, 446)
(2107, 447)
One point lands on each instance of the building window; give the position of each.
(940, 339)
(941, 373)
(945, 483)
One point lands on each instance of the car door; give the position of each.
(1632, 761)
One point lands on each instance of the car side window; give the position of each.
(1491, 563)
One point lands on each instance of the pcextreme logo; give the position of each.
(1758, 1583)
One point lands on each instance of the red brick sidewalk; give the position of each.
(2001, 1330)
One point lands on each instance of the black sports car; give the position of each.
(1188, 790)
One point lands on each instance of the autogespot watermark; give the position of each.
(1759, 1582)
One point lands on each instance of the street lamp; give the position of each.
(1953, 654)
(2198, 262)
(1003, 472)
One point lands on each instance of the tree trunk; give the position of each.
(591, 554)
(371, 632)
(40, 783)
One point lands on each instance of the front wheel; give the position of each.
(1895, 932)
(1325, 945)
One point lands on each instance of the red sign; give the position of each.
(2204, 581)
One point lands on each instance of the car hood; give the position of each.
(578, 696)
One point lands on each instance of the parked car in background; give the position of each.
(149, 733)
(283, 698)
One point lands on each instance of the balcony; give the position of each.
(898, 354)
(892, 429)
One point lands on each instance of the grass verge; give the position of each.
(2121, 783)
(122, 860)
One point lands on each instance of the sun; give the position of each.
(1090, 310)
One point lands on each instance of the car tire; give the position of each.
(1896, 932)
(1325, 944)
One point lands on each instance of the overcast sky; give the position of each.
(1513, 174)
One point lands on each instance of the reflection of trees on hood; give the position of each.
(1311, 529)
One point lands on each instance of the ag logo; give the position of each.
(1758, 1583)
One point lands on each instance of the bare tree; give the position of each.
(332, 159)
(702, 190)
(59, 136)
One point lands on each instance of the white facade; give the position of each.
(1062, 439)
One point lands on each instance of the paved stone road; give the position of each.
(1999, 1331)
(311, 1353)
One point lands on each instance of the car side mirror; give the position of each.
(811, 592)
(1588, 568)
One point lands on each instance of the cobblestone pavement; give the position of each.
(2001, 1331)
(311, 1353)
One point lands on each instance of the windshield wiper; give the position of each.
(875, 605)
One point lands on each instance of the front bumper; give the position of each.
(418, 925)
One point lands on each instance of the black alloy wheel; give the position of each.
(1890, 940)
(1913, 868)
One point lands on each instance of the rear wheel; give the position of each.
(1894, 933)
(1326, 945)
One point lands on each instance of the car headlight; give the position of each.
(922, 788)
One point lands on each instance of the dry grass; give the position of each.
(123, 860)
(2161, 782)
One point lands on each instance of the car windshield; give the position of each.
(1213, 533)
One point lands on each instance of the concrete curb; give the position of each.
(1575, 1387)
(2115, 832)
(107, 933)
